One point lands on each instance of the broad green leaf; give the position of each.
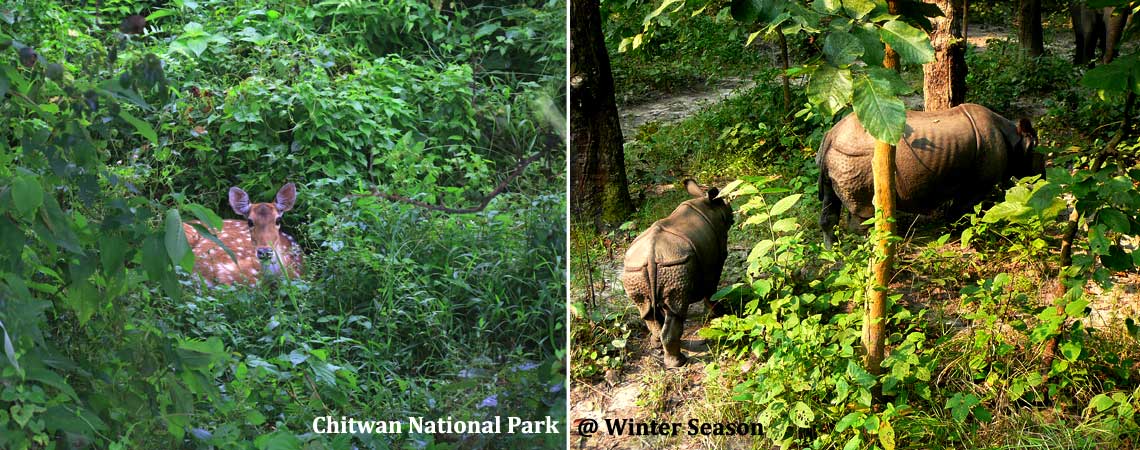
(1117, 76)
(784, 204)
(851, 420)
(160, 14)
(1102, 403)
(873, 50)
(27, 194)
(59, 226)
(1076, 308)
(855, 443)
(886, 435)
(197, 354)
(154, 257)
(657, 12)
(882, 114)
(175, 238)
(205, 215)
(842, 49)
(1114, 219)
(897, 85)
(1071, 350)
(827, 6)
(802, 415)
(143, 128)
(912, 44)
(1006, 211)
(1117, 259)
(729, 188)
(857, 9)
(84, 299)
(785, 225)
(830, 89)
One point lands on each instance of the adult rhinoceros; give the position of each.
(957, 154)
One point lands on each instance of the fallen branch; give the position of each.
(522, 165)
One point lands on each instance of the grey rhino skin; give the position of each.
(678, 261)
(1094, 29)
(955, 154)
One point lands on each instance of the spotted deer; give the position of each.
(257, 242)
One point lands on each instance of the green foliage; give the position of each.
(1002, 76)
(688, 52)
(854, 31)
(111, 141)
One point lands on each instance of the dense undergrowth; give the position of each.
(112, 133)
(993, 343)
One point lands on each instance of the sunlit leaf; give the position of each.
(882, 114)
(912, 44)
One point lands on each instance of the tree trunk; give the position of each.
(944, 79)
(599, 188)
(883, 175)
(1029, 27)
(784, 60)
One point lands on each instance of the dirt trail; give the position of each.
(672, 108)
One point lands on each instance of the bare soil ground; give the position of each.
(644, 391)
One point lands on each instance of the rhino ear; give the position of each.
(1027, 133)
(713, 192)
(693, 188)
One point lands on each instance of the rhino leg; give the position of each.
(671, 331)
(829, 215)
(678, 290)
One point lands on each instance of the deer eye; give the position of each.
(278, 221)
(250, 222)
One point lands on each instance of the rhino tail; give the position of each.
(821, 161)
(651, 277)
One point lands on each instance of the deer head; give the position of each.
(257, 243)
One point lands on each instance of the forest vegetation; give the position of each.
(1012, 326)
(120, 120)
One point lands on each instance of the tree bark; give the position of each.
(883, 175)
(786, 63)
(1029, 27)
(944, 79)
(599, 188)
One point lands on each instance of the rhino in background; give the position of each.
(676, 262)
(956, 154)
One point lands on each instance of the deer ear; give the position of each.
(239, 201)
(285, 197)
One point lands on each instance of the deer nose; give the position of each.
(264, 253)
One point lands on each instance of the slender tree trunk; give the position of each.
(1029, 27)
(883, 174)
(784, 60)
(944, 79)
(599, 188)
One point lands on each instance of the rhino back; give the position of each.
(942, 155)
(686, 233)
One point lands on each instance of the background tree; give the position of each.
(1029, 31)
(944, 79)
(598, 185)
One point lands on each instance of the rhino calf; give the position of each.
(956, 154)
(678, 261)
